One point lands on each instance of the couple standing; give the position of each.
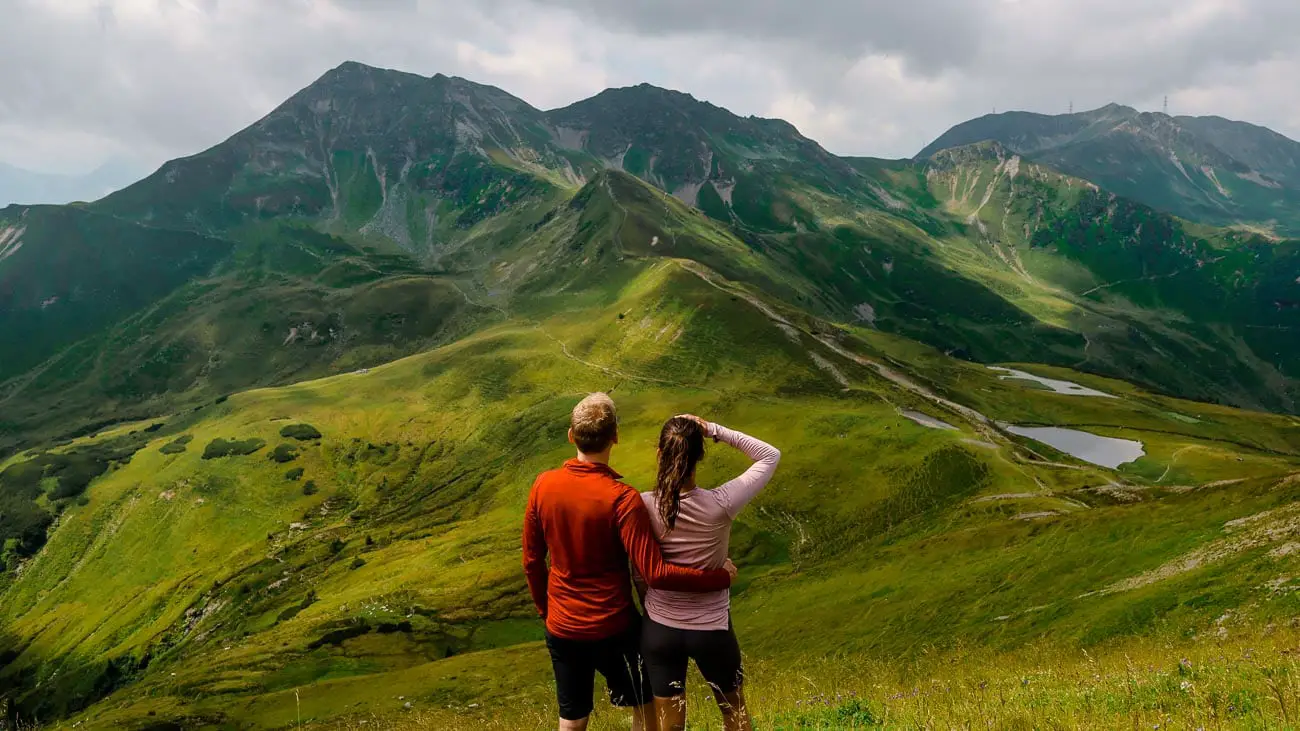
(591, 524)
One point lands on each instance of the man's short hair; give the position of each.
(594, 423)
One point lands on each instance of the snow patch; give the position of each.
(11, 240)
(866, 313)
(1209, 173)
(1258, 179)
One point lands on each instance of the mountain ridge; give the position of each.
(405, 173)
(1202, 168)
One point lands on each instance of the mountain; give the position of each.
(370, 182)
(24, 186)
(1206, 169)
(266, 443)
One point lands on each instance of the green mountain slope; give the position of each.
(1147, 293)
(379, 560)
(1206, 169)
(66, 273)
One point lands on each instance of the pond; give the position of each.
(1064, 387)
(1104, 451)
(926, 420)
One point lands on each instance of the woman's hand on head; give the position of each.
(703, 424)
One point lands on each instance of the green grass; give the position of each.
(397, 575)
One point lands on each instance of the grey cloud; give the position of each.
(87, 81)
(931, 34)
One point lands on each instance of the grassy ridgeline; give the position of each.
(219, 590)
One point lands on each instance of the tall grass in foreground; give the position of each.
(1251, 681)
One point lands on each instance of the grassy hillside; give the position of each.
(1180, 308)
(380, 559)
(66, 274)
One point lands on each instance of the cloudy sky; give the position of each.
(88, 80)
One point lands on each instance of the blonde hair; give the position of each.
(594, 423)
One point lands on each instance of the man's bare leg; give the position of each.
(579, 725)
(735, 716)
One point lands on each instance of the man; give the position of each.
(591, 524)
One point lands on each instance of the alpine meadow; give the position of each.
(269, 416)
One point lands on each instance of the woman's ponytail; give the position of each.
(681, 447)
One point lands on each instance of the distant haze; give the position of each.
(25, 186)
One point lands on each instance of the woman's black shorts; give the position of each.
(666, 651)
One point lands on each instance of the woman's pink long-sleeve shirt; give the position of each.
(702, 533)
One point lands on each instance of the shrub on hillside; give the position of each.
(294, 474)
(218, 448)
(177, 445)
(23, 521)
(284, 453)
(309, 487)
(301, 432)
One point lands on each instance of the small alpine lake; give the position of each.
(1063, 387)
(1104, 451)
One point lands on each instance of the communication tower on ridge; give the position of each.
(1166, 106)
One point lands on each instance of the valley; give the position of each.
(274, 411)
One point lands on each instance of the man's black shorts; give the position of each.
(618, 658)
(667, 649)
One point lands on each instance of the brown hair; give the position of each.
(681, 447)
(594, 423)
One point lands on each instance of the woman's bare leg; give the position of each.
(671, 712)
(643, 718)
(735, 715)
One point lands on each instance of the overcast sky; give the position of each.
(86, 80)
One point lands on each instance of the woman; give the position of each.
(693, 525)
